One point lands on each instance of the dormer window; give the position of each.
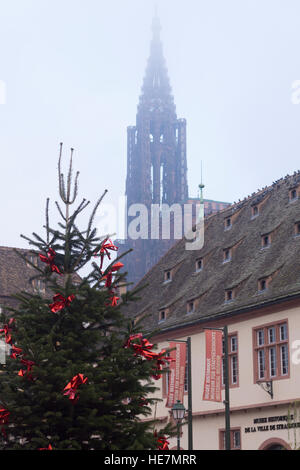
(228, 224)
(226, 255)
(255, 211)
(190, 306)
(199, 264)
(297, 229)
(162, 316)
(265, 241)
(38, 285)
(167, 276)
(229, 295)
(33, 260)
(262, 285)
(293, 195)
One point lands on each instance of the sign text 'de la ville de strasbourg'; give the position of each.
(267, 424)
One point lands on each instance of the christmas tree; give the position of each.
(79, 375)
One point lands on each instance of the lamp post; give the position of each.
(178, 412)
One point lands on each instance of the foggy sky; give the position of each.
(73, 71)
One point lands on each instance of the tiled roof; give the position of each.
(15, 273)
(249, 263)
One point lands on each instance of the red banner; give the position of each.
(213, 365)
(176, 374)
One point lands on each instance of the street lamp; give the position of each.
(178, 412)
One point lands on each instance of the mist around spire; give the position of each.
(156, 89)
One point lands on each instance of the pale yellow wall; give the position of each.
(248, 393)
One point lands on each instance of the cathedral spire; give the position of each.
(156, 160)
(156, 89)
(156, 27)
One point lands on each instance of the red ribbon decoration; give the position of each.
(143, 402)
(26, 373)
(160, 362)
(162, 443)
(104, 250)
(4, 415)
(144, 349)
(49, 259)
(46, 448)
(6, 329)
(60, 302)
(108, 276)
(71, 388)
(15, 352)
(114, 300)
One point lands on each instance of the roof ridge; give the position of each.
(14, 248)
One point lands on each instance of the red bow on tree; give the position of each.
(162, 443)
(160, 362)
(46, 448)
(71, 387)
(4, 415)
(60, 302)
(106, 245)
(6, 329)
(49, 259)
(143, 402)
(109, 275)
(142, 348)
(114, 300)
(26, 373)
(15, 352)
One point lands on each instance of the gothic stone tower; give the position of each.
(156, 157)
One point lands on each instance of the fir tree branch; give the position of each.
(47, 220)
(59, 210)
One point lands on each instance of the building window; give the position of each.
(38, 285)
(284, 359)
(235, 439)
(232, 361)
(293, 195)
(229, 295)
(265, 241)
(271, 359)
(228, 224)
(297, 229)
(33, 260)
(190, 306)
(262, 285)
(261, 364)
(226, 255)
(162, 316)
(199, 264)
(234, 369)
(167, 276)
(254, 211)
